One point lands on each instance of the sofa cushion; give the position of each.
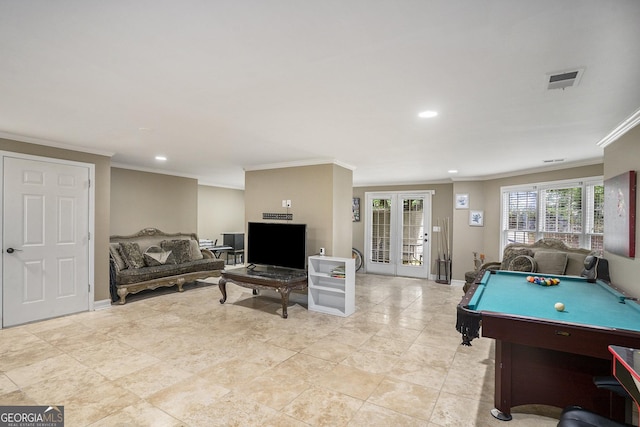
(114, 251)
(131, 254)
(154, 256)
(550, 262)
(181, 249)
(575, 264)
(131, 276)
(194, 247)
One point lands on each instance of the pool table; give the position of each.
(546, 356)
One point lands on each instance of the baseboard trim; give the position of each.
(102, 304)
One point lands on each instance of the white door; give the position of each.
(397, 239)
(45, 255)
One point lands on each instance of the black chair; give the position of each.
(575, 416)
(612, 384)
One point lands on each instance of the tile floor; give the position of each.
(183, 359)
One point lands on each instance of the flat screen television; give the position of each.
(277, 245)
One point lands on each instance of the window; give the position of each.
(571, 211)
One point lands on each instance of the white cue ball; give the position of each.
(559, 306)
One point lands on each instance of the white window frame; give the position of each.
(587, 207)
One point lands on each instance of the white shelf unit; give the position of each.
(329, 294)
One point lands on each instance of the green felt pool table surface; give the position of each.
(593, 304)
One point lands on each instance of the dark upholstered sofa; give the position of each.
(546, 256)
(151, 258)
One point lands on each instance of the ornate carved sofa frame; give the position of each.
(129, 277)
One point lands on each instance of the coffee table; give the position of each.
(281, 280)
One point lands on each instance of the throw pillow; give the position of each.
(575, 264)
(181, 249)
(154, 256)
(196, 254)
(131, 254)
(523, 263)
(551, 262)
(114, 251)
(512, 252)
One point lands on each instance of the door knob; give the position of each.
(11, 250)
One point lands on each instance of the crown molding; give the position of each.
(54, 144)
(620, 130)
(201, 180)
(299, 163)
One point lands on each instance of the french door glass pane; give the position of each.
(380, 230)
(412, 231)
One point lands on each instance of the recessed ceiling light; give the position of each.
(427, 114)
(161, 158)
(453, 171)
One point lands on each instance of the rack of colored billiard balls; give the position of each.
(543, 281)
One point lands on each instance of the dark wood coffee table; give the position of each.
(278, 279)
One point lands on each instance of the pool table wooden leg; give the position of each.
(502, 397)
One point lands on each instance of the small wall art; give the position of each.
(462, 201)
(355, 209)
(476, 218)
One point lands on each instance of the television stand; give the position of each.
(257, 278)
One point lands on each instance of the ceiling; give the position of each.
(222, 86)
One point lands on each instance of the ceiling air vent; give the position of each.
(564, 79)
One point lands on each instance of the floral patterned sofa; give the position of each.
(151, 258)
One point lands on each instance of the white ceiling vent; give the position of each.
(563, 79)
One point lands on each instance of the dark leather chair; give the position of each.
(611, 383)
(575, 416)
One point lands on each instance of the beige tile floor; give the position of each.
(183, 359)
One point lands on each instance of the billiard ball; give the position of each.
(559, 306)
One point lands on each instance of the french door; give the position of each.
(397, 228)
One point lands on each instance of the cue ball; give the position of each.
(559, 306)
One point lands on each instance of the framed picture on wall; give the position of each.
(620, 214)
(476, 218)
(462, 201)
(355, 209)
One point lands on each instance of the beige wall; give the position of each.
(142, 199)
(219, 210)
(311, 191)
(102, 197)
(468, 239)
(622, 156)
(441, 208)
(342, 223)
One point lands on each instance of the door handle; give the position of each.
(11, 250)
